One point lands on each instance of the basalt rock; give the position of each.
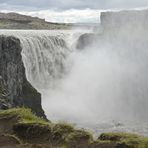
(12, 71)
(4, 96)
(86, 40)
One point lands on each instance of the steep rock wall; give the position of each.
(128, 24)
(4, 96)
(12, 71)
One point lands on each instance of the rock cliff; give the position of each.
(129, 19)
(120, 28)
(12, 72)
(5, 102)
(18, 21)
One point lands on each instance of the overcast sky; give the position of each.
(41, 8)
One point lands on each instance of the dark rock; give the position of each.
(60, 132)
(32, 99)
(10, 140)
(33, 133)
(79, 139)
(86, 40)
(12, 71)
(103, 144)
(4, 96)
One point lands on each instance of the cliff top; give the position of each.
(19, 17)
(19, 21)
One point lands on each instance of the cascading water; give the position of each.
(85, 87)
(44, 58)
(44, 54)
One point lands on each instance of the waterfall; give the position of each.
(44, 54)
(44, 58)
(104, 84)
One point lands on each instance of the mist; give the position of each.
(102, 82)
(107, 80)
(102, 85)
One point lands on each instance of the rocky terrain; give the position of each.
(19, 128)
(15, 90)
(18, 21)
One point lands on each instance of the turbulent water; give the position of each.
(86, 87)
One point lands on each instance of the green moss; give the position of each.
(33, 133)
(81, 138)
(116, 136)
(14, 137)
(25, 115)
(126, 140)
(32, 129)
(60, 132)
(103, 144)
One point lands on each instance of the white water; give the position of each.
(87, 87)
(44, 53)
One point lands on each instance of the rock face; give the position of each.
(126, 31)
(86, 40)
(131, 25)
(128, 25)
(126, 36)
(12, 71)
(123, 29)
(134, 19)
(4, 96)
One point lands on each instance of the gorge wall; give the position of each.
(12, 73)
(123, 41)
(120, 27)
(125, 19)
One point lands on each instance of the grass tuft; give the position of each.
(125, 139)
(25, 115)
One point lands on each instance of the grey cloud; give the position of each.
(76, 4)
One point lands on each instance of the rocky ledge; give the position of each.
(19, 128)
(15, 90)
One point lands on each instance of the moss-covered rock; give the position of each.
(79, 139)
(103, 144)
(60, 132)
(9, 140)
(125, 140)
(39, 133)
(33, 133)
(34, 130)
(24, 115)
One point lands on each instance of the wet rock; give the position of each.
(12, 71)
(86, 40)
